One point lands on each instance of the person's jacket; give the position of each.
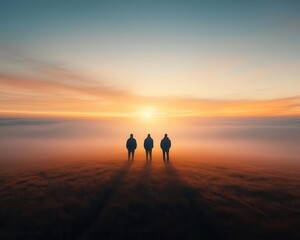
(148, 143)
(131, 144)
(165, 143)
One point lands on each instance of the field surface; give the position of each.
(208, 198)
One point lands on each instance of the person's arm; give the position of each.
(170, 144)
(152, 145)
(135, 144)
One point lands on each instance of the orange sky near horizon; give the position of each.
(41, 97)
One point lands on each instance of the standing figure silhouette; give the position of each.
(131, 146)
(148, 145)
(165, 145)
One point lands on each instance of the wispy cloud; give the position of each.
(21, 94)
(52, 89)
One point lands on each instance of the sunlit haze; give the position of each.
(150, 119)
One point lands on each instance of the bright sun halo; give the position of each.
(147, 114)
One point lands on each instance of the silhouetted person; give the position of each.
(165, 145)
(148, 145)
(131, 146)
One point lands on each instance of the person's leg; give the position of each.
(147, 152)
(128, 155)
(150, 153)
(132, 155)
(167, 155)
(164, 158)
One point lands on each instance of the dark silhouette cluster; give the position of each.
(165, 145)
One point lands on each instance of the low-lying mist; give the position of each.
(61, 139)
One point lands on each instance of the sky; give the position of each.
(149, 58)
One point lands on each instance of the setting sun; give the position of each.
(148, 114)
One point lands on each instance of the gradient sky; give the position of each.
(123, 58)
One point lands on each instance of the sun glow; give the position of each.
(148, 114)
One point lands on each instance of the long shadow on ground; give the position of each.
(157, 206)
(105, 195)
(187, 216)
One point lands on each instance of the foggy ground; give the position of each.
(205, 199)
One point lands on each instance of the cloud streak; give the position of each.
(51, 89)
(34, 95)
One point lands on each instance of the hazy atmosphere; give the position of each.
(215, 84)
(58, 139)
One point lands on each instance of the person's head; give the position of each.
(149, 135)
(131, 135)
(166, 135)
